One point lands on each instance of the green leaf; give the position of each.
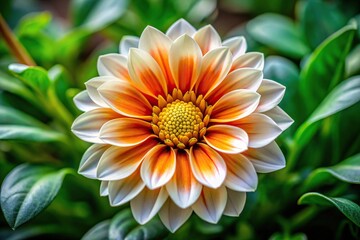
(350, 209)
(279, 33)
(319, 19)
(347, 171)
(98, 232)
(28, 133)
(33, 23)
(14, 117)
(325, 67)
(27, 190)
(151, 230)
(95, 15)
(13, 85)
(121, 225)
(343, 96)
(35, 77)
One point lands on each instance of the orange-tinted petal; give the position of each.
(124, 132)
(207, 165)
(207, 38)
(227, 139)
(214, 68)
(237, 45)
(243, 78)
(235, 105)
(128, 42)
(146, 74)
(93, 84)
(179, 28)
(125, 99)
(119, 162)
(172, 216)
(158, 45)
(158, 166)
(249, 60)
(90, 160)
(183, 188)
(185, 62)
(113, 65)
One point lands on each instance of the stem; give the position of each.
(14, 45)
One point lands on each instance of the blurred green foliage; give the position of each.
(312, 47)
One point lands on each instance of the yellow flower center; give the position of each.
(180, 121)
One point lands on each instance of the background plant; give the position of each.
(312, 47)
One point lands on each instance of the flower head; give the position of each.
(181, 122)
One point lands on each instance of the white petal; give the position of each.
(128, 42)
(207, 38)
(92, 86)
(172, 216)
(90, 160)
(87, 126)
(260, 128)
(249, 60)
(271, 95)
(124, 190)
(83, 101)
(237, 45)
(282, 119)
(235, 203)
(211, 204)
(113, 65)
(104, 188)
(241, 174)
(145, 206)
(266, 159)
(179, 28)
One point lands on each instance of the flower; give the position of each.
(181, 122)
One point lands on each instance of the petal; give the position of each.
(124, 190)
(241, 174)
(83, 101)
(215, 66)
(243, 78)
(128, 42)
(266, 159)
(120, 162)
(172, 216)
(113, 65)
(90, 160)
(249, 60)
(207, 38)
(104, 188)
(158, 166)
(227, 139)
(280, 117)
(211, 204)
(145, 205)
(261, 129)
(92, 86)
(207, 165)
(185, 62)
(183, 188)
(158, 45)
(271, 94)
(124, 132)
(237, 45)
(125, 99)
(235, 105)
(179, 28)
(235, 203)
(146, 75)
(87, 126)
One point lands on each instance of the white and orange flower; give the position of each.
(181, 122)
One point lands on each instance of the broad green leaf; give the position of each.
(27, 190)
(13, 85)
(28, 133)
(11, 116)
(36, 77)
(151, 230)
(343, 96)
(279, 33)
(95, 15)
(353, 62)
(325, 67)
(98, 232)
(121, 225)
(319, 19)
(33, 23)
(31, 232)
(347, 171)
(350, 209)
(279, 236)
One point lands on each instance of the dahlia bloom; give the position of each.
(181, 122)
